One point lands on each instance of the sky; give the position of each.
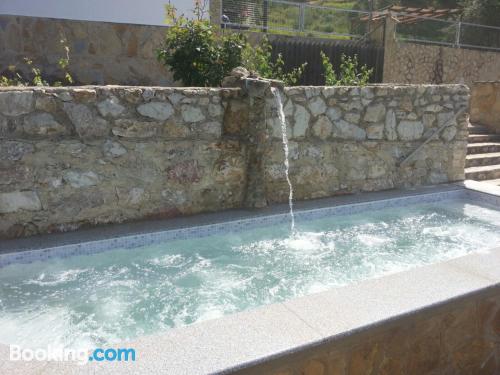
(149, 12)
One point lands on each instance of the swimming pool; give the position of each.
(95, 293)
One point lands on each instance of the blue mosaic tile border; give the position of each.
(139, 240)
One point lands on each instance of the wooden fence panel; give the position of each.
(296, 51)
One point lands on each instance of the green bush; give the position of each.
(351, 74)
(259, 59)
(196, 54)
(14, 77)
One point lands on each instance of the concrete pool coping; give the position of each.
(244, 339)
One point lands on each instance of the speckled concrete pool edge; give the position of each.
(218, 226)
(244, 341)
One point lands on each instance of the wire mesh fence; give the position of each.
(429, 30)
(281, 15)
(293, 17)
(288, 17)
(479, 36)
(448, 32)
(327, 20)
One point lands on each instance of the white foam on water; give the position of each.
(53, 279)
(304, 241)
(105, 298)
(373, 240)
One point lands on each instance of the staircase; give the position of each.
(483, 155)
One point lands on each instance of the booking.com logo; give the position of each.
(58, 354)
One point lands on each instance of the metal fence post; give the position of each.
(215, 12)
(457, 34)
(370, 2)
(301, 17)
(265, 5)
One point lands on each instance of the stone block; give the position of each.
(19, 201)
(110, 107)
(375, 131)
(334, 113)
(322, 127)
(86, 123)
(317, 106)
(113, 149)
(390, 125)
(14, 150)
(185, 172)
(43, 124)
(301, 121)
(410, 130)
(78, 179)
(236, 117)
(344, 130)
(156, 110)
(375, 113)
(128, 128)
(16, 103)
(191, 113)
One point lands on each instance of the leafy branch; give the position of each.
(350, 74)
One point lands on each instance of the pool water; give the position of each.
(89, 301)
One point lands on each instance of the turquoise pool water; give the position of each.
(88, 301)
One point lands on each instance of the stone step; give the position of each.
(477, 160)
(488, 172)
(481, 138)
(478, 129)
(483, 148)
(493, 182)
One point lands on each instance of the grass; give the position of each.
(335, 4)
(316, 20)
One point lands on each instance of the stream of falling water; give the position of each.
(281, 114)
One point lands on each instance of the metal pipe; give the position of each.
(436, 132)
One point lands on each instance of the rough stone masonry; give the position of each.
(73, 157)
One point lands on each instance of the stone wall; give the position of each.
(458, 338)
(418, 63)
(72, 157)
(100, 52)
(427, 63)
(485, 104)
(345, 140)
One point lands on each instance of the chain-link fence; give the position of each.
(445, 32)
(284, 17)
(293, 17)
